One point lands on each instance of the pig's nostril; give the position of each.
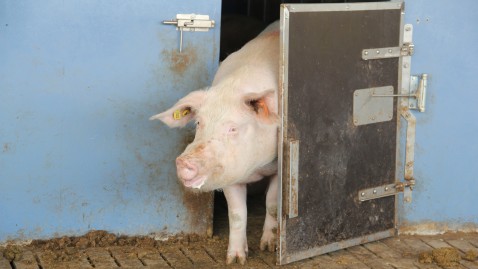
(186, 169)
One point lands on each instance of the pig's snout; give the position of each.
(188, 173)
(187, 170)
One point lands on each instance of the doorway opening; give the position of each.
(241, 21)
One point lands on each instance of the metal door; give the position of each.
(78, 82)
(328, 154)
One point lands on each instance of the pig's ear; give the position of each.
(183, 111)
(263, 105)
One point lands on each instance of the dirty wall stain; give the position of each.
(199, 205)
(200, 208)
(180, 62)
(6, 147)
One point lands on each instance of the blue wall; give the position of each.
(78, 82)
(79, 79)
(446, 156)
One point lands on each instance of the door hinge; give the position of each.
(406, 49)
(387, 190)
(190, 23)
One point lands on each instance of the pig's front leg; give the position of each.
(236, 196)
(268, 239)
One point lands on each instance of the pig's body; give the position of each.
(236, 136)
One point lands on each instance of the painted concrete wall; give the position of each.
(78, 82)
(446, 157)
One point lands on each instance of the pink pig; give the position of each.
(236, 135)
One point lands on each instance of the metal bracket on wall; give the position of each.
(417, 91)
(190, 23)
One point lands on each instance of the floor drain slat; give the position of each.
(166, 260)
(209, 254)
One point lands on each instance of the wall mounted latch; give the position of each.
(418, 90)
(373, 105)
(190, 23)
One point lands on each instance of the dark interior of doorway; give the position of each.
(241, 21)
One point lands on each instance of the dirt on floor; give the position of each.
(12, 253)
(445, 257)
(471, 255)
(93, 239)
(100, 249)
(73, 248)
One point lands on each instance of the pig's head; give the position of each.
(236, 133)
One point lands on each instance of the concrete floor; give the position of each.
(400, 252)
(194, 252)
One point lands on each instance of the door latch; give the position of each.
(418, 90)
(190, 23)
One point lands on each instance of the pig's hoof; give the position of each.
(236, 257)
(268, 241)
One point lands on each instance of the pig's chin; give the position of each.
(195, 183)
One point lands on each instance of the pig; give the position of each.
(236, 136)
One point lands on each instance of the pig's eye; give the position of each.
(232, 130)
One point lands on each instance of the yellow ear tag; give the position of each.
(177, 114)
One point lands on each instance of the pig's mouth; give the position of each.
(195, 183)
